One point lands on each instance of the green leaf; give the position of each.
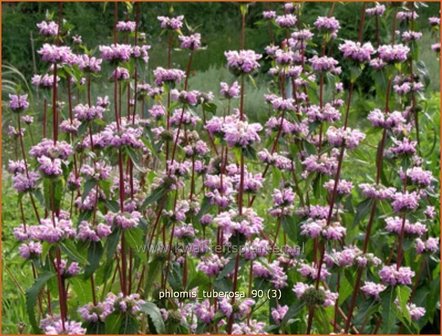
(198, 280)
(156, 195)
(135, 240)
(230, 267)
(152, 311)
(95, 328)
(250, 153)
(310, 148)
(94, 253)
(205, 206)
(53, 192)
(105, 185)
(345, 289)
(82, 289)
(362, 210)
(32, 295)
(318, 183)
(210, 107)
(129, 325)
(365, 310)
(403, 294)
(290, 226)
(154, 270)
(113, 323)
(355, 72)
(88, 186)
(388, 314)
(69, 247)
(293, 311)
(135, 158)
(112, 243)
(112, 205)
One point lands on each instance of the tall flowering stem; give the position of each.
(337, 178)
(372, 215)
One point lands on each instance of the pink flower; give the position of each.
(324, 64)
(279, 312)
(286, 20)
(269, 15)
(377, 191)
(168, 76)
(393, 53)
(344, 137)
(205, 311)
(56, 54)
(88, 113)
(373, 289)
(49, 28)
(54, 326)
(116, 52)
(390, 275)
(241, 133)
(243, 61)
(415, 312)
(172, 23)
(394, 225)
(30, 250)
(408, 15)
(25, 182)
(420, 177)
(211, 265)
(191, 42)
(356, 51)
(344, 187)
(403, 201)
(431, 245)
(247, 224)
(46, 81)
(434, 21)
(88, 63)
(377, 10)
(126, 26)
(18, 103)
(328, 25)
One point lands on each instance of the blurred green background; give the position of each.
(219, 24)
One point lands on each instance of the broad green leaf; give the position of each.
(94, 253)
(129, 325)
(53, 192)
(345, 289)
(403, 294)
(134, 237)
(95, 328)
(32, 296)
(156, 195)
(290, 226)
(113, 323)
(154, 314)
(112, 243)
(293, 311)
(388, 313)
(70, 248)
(135, 158)
(362, 209)
(82, 289)
(88, 186)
